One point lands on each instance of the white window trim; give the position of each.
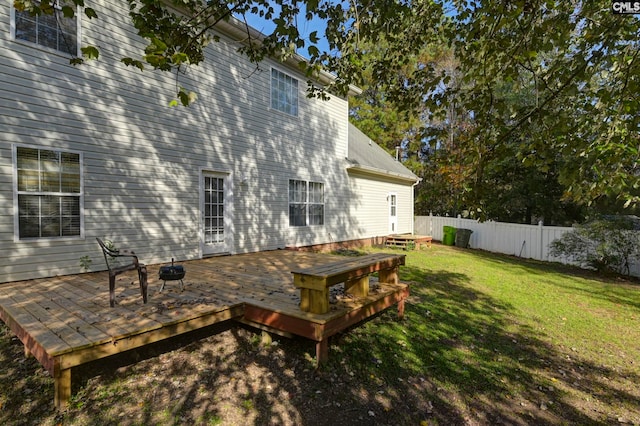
(12, 13)
(16, 207)
(307, 204)
(297, 114)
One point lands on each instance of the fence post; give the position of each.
(430, 223)
(493, 237)
(541, 227)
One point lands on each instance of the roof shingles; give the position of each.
(367, 156)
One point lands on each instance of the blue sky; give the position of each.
(305, 27)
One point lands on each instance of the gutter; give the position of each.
(384, 173)
(413, 205)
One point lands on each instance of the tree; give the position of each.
(583, 63)
(582, 59)
(378, 115)
(501, 185)
(458, 170)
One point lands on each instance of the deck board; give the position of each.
(36, 304)
(67, 321)
(19, 317)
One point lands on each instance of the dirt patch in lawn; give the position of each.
(236, 376)
(233, 377)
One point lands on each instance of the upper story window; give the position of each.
(306, 203)
(52, 31)
(284, 92)
(48, 193)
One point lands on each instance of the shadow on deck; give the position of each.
(66, 321)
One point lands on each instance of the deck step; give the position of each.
(408, 242)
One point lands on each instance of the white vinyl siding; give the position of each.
(284, 92)
(142, 161)
(48, 193)
(52, 31)
(373, 208)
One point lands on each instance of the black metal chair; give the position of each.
(111, 254)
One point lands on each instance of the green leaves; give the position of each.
(550, 83)
(68, 11)
(133, 63)
(578, 57)
(608, 244)
(90, 13)
(186, 98)
(90, 52)
(314, 52)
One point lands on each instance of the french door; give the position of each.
(216, 214)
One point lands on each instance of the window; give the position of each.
(48, 192)
(284, 92)
(306, 203)
(52, 31)
(392, 205)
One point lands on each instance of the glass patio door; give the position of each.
(215, 214)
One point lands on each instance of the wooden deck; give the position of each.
(66, 321)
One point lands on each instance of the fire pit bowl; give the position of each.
(171, 273)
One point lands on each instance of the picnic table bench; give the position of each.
(314, 282)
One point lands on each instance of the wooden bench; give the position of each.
(314, 282)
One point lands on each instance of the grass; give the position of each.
(486, 339)
(487, 331)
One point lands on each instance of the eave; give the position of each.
(382, 174)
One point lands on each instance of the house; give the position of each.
(95, 151)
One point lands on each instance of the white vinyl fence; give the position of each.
(528, 241)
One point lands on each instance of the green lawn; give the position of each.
(486, 339)
(497, 338)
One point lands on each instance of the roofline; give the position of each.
(238, 29)
(373, 171)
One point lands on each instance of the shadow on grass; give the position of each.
(468, 361)
(458, 357)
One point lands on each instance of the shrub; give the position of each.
(607, 244)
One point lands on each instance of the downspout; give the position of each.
(413, 205)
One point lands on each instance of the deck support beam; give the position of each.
(322, 352)
(320, 330)
(62, 388)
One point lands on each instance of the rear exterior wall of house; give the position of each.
(223, 175)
